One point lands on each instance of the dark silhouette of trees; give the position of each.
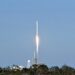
(42, 69)
(55, 70)
(68, 70)
(39, 69)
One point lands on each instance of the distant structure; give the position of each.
(16, 67)
(37, 44)
(28, 64)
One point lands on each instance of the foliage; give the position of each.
(39, 69)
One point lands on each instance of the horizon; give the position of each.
(56, 31)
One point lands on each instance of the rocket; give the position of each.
(37, 44)
(37, 37)
(37, 27)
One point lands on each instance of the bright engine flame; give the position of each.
(37, 42)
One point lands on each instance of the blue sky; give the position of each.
(56, 29)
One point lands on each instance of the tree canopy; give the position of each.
(40, 69)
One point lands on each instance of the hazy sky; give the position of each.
(56, 29)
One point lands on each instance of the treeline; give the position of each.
(38, 70)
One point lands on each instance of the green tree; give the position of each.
(42, 69)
